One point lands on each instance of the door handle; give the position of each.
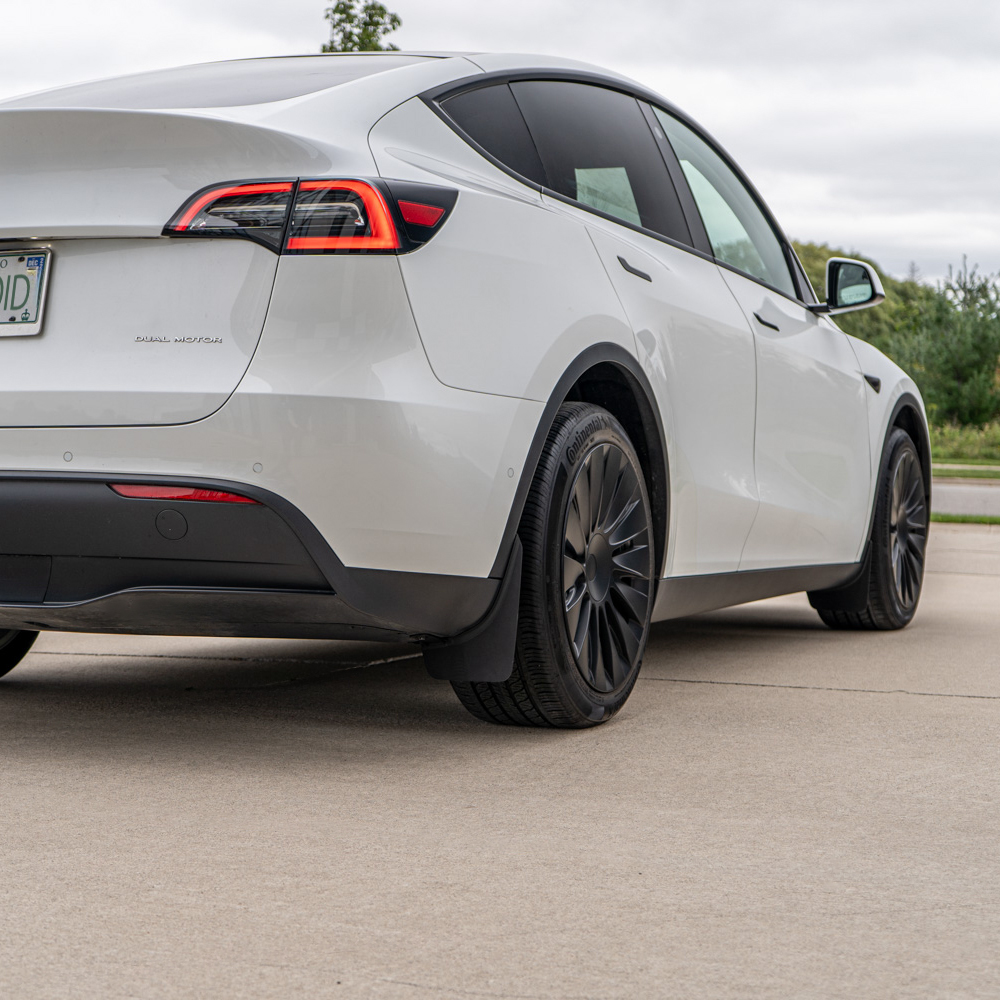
(762, 321)
(633, 270)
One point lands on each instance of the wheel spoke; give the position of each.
(632, 562)
(611, 476)
(573, 573)
(631, 524)
(625, 631)
(596, 653)
(632, 596)
(581, 625)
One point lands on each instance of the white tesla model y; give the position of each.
(500, 355)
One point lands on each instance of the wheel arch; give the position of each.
(608, 376)
(908, 415)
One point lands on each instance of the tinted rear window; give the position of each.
(219, 85)
(597, 149)
(490, 116)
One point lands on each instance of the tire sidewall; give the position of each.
(580, 435)
(898, 444)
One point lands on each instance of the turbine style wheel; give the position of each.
(14, 643)
(587, 582)
(898, 543)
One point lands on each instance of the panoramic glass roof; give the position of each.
(220, 84)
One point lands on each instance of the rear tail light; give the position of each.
(143, 491)
(340, 215)
(325, 215)
(254, 211)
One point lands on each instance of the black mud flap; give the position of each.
(851, 596)
(486, 651)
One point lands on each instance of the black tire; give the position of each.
(586, 571)
(897, 545)
(14, 643)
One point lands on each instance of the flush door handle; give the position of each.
(633, 270)
(763, 322)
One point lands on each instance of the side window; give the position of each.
(738, 230)
(491, 117)
(597, 149)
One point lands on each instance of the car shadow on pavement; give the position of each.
(111, 695)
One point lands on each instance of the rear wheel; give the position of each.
(897, 546)
(14, 643)
(587, 581)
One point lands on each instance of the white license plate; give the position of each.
(24, 277)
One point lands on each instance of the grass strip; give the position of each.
(964, 518)
(939, 473)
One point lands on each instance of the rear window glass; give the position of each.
(219, 85)
(597, 149)
(490, 116)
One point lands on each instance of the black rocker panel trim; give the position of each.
(61, 534)
(680, 596)
(655, 443)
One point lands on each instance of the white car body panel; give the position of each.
(698, 353)
(506, 295)
(85, 173)
(147, 331)
(342, 413)
(811, 443)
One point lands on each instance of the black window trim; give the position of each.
(434, 98)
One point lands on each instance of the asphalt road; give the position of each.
(781, 811)
(978, 497)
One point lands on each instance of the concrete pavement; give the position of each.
(780, 811)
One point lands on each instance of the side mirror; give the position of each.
(850, 285)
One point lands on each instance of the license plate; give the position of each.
(23, 280)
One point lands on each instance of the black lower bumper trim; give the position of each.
(246, 613)
(70, 548)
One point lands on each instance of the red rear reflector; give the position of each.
(139, 491)
(420, 215)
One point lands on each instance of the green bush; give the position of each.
(946, 337)
(954, 443)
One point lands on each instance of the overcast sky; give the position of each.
(873, 126)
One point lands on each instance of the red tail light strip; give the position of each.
(383, 233)
(420, 215)
(141, 491)
(224, 192)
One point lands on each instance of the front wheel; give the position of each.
(587, 581)
(14, 643)
(897, 545)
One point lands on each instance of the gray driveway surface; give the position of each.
(780, 811)
(975, 497)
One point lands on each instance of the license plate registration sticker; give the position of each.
(24, 277)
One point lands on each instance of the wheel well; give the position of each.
(910, 421)
(619, 392)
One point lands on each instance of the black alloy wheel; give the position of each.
(898, 542)
(606, 580)
(14, 644)
(587, 583)
(907, 529)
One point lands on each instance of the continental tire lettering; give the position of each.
(581, 437)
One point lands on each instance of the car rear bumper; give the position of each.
(75, 555)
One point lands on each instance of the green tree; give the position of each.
(357, 27)
(947, 337)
